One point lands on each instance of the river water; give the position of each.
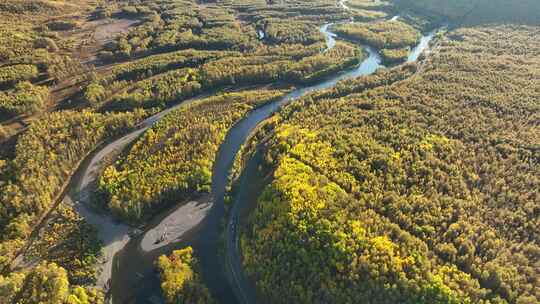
(134, 278)
(238, 135)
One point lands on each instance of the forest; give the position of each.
(389, 188)
(45, 155)
(382, 193)
(45, 283)
(266, 66)
(64, 92)
(393, 38)
(160, 169)
(476, 11)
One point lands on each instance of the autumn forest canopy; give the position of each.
(270, 151)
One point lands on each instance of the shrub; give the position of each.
(25, 98)
(106, 56)
(94, 93)
(3, 134)
(392, 56)
(103, 13)
(46, 43)
(62, 25)
(15, 73)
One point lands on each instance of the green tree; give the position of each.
(180, 281)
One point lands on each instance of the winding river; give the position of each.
(133, 276)
(198, 223)
(240, 133)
